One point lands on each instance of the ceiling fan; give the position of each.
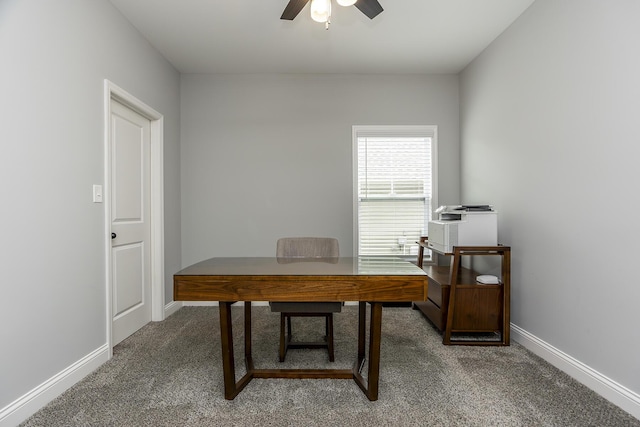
(371, 8)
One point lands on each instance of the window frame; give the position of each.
(430, 131)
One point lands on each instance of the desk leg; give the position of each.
(231, 387)
(248, 358)
(375, 335)
(369, 387)
(362, 329)
(226, 338)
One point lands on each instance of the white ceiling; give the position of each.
(248, 36)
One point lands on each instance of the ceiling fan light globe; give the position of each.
(346, 2)
(320, 10)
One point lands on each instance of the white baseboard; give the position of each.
(614, 392)
(171, 308)
(27, 405)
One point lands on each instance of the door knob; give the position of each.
(113, 235)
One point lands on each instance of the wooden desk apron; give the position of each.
(372, 280)
(273, 279)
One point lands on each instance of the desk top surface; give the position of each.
(265, 266)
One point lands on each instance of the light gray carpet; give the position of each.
(169, 374)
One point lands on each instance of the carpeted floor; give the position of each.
(169, 374)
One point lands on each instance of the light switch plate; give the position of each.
(97, 193)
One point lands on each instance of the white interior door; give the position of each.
(130, 221)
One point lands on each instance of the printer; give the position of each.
(463, 225)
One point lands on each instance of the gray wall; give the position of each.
(549, 131)
(264, 156)
(55, 56)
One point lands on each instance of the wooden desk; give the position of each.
(373, 280)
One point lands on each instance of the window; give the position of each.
(394, 188)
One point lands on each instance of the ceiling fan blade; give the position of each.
(293, 8)
(371, 8)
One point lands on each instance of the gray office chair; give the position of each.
(301, 249)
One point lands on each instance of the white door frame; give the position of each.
(113, 92)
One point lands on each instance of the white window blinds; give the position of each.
(394, 188)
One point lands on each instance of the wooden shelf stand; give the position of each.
(467, 312)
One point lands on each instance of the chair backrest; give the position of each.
(307, 247)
